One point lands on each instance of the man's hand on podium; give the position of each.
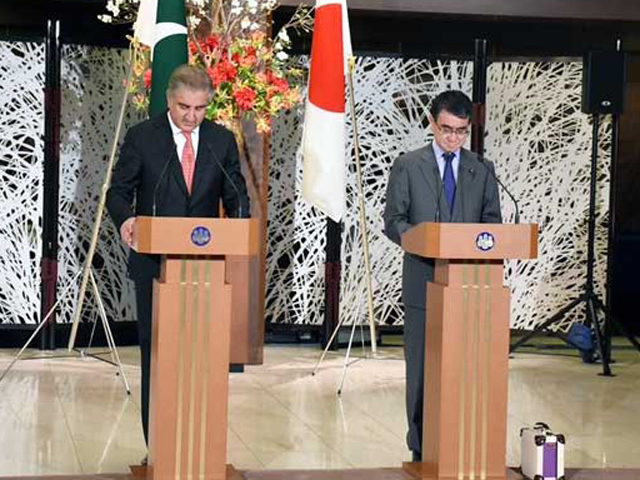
(126, 231)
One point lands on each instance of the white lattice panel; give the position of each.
(21, 173)
(538, 139)
(536, 135)
(92, 88)
(391, 95)
(541, 144)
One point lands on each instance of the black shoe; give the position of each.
(416, 456)
(144, 461)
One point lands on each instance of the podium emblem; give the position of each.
(200, 236)
(485, 241)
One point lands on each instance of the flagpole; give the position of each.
(363, 223)
(332, 270)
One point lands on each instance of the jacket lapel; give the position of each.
(202, 158)
(429, 168)
(466, 177)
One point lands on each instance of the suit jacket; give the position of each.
(149, 172)
(413, 190)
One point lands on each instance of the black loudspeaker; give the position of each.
(603, 82)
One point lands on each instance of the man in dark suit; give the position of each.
(176, 164)
(439, 182)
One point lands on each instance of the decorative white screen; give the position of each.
(21, 174)
(539, 141)
(92, 89)
(391, 99)
(536, 135)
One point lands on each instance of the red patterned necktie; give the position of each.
(188, 161)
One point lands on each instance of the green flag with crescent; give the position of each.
(162, 25)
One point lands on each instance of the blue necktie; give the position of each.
(448, 180)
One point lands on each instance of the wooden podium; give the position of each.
(467, 346)
(190, 343)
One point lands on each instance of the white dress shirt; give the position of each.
(180, 140)
(441, 163)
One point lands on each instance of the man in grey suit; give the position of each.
(439, 182)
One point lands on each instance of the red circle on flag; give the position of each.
(326, 78)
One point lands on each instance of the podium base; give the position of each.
(140, 472)
(421, 471)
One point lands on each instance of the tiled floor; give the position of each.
(72, 416)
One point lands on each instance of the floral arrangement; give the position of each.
(252, 74)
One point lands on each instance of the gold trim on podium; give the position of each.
(205, 369)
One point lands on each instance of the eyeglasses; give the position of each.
(458, 132)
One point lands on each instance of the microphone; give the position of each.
(499, 182)
(164, 170)
(224, 172)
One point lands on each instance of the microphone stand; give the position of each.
(229, 179)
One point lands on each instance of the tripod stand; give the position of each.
(365, 245)
(113, 351)
(589, 297)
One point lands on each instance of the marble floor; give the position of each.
(72, 416)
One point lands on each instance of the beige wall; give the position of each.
(623, 10)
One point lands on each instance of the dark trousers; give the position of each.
(144, 296)
(414, 339)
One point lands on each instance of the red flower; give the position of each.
(224, 71)
(280, 84)
(192, 47)
(211, 73)
(245, 97)
(210, 43)
(248, 60)
(146, 79)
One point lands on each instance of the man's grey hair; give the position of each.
(192, 78)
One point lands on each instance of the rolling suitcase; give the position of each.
(542, 453)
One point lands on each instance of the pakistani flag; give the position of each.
(161, 24)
